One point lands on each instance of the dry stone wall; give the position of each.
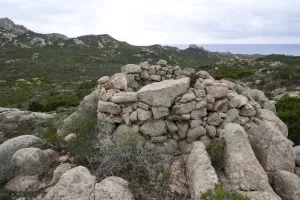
(159, 102)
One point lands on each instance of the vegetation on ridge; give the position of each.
(288, 110)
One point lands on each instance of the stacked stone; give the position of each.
(172, 112)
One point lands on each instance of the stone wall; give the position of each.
(159, 102)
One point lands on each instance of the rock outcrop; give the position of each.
(242, 169)
(76, 183)
(287, 185)
(201, 175)
(113, 188)
(33, 161)
(8, 149)
(13, 120)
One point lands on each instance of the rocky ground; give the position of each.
(162, 132)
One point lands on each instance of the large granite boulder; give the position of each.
(117, 81)
(163, 94)
(76, 183)
(60, 170)
(9, 147)
(297, 154)
(201, 176)
(18, 122)
(23, 184)
(272, 149)
(267, 115)
(33, 161)
(178, 182)
(242, 169)
(113, 188)
(286, 185)
(131, 69)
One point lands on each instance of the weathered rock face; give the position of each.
(131, 69)
(23, 184)
(243, 170)
(201, 175)
(297, 154)
(117, 81)
(60, 170)
(178, 179)
(10, 26)
(11, 119)
(76, 183)
(287, 185)
(9, 147)
(33, 161)
(164, 93)
(275, 150)
(113, 188)
(267, 115)
(271, 147)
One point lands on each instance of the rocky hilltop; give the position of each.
(205, 132)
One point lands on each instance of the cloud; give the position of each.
(163, 21)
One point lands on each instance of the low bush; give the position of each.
(288, 110)
(193, 79)
(4, 197)
(233, 73)
(54, 101)
(50, 136)
(81, 147)
(221, 193)
(135, 160)
(216, 151)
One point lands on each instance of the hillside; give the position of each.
(34, 66)
(55, 70)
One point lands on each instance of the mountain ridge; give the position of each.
(12, 35)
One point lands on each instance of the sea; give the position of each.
(264, 49)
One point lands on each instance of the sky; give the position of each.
(141, 22)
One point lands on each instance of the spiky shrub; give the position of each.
(216, 151)
(131, 157)
(221, 193)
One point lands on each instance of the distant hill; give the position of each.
(39, 67)
(34, 64)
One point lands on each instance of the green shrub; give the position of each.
(233, 73)
(291, 89)
(193, 79)
(132, 158)
(216, 151)
(53, 101)
(85, 88)
(81, 147)
(288, 110)
(35, 106)
(4, 197)
(61, 99)
(50, 136)
(220, 193)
